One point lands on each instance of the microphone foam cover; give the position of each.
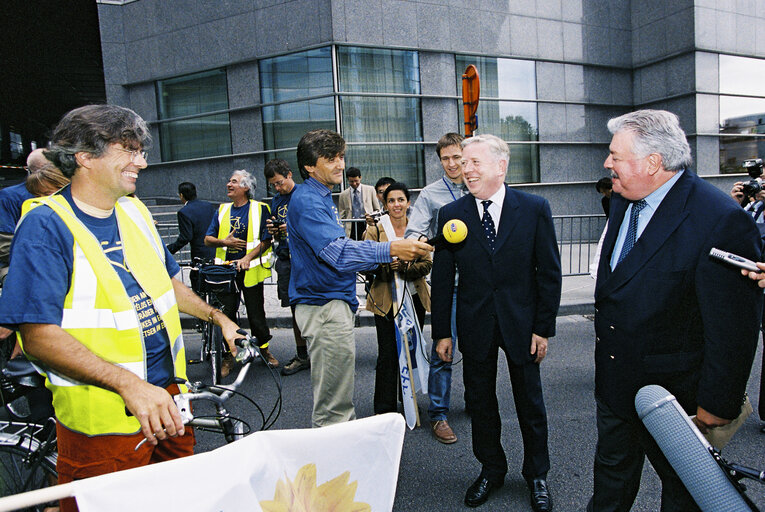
(687, 451)
(455, 231)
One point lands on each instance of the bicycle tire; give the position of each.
(216, 355)
(16, 470)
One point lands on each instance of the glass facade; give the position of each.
(374, 123)
(381, 118)
(198, 136)
(293, 79)
(742, 116)
(503, 83)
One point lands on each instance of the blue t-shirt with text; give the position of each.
(239, 220)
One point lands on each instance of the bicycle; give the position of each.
(27, 432)
(212, 280)
(28, 453)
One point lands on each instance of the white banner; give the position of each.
(349, 467)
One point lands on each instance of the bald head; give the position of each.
(37, 161)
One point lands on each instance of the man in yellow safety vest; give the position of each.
(240, 235)
(95, 295)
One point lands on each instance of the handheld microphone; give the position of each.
(687, 450)
(454, 232)
(734, 259)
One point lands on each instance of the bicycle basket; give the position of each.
(217, 279)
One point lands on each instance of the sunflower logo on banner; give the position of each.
(302, 494)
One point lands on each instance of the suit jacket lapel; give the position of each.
(668, 217)
(618, 208)
(508, 219)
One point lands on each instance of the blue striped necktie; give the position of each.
(629, 241)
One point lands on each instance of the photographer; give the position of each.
(279, 178)
(751, 196)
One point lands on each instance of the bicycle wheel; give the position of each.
(216, 354)
(21, 472)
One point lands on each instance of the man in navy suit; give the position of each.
(666, 313)
(509, 293)
(193, 221)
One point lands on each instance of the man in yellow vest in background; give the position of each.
(93, 291)
(240, 235)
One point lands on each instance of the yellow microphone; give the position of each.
(454, 232)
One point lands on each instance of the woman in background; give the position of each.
(380, 297)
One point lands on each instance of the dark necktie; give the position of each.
(358, 209)
(629, 241)
(488, 225)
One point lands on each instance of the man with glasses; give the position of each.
(104, 325)
(279, 178)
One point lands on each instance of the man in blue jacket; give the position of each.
(193, 221)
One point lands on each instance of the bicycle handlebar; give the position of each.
(219, 394)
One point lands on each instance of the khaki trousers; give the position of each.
(328, 330)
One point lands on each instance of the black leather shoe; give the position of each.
(478, 493)
(540, 495)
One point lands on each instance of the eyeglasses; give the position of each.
(134, 154)
(276, 185)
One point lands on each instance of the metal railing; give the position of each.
(577, 237)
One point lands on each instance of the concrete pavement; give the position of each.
(434, 477)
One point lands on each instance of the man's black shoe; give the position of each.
(540, 495)
(478, 493)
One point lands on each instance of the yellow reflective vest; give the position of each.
(31, 204)
(99, 313)
(257, 273)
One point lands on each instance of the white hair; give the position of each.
(246, 180)
(497, 146)
(656, 131)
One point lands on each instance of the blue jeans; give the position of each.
(440, 376)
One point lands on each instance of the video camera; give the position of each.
(754, 168)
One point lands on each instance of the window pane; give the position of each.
(509, 120)
(283, 125)
(299, 75)
(382, 119)
(375, 70)
(190, 95)
(400, 162)
(296, 76)
(524, 164)
(741, 75)
(501, 78)
(367, 119)
(744, 116)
